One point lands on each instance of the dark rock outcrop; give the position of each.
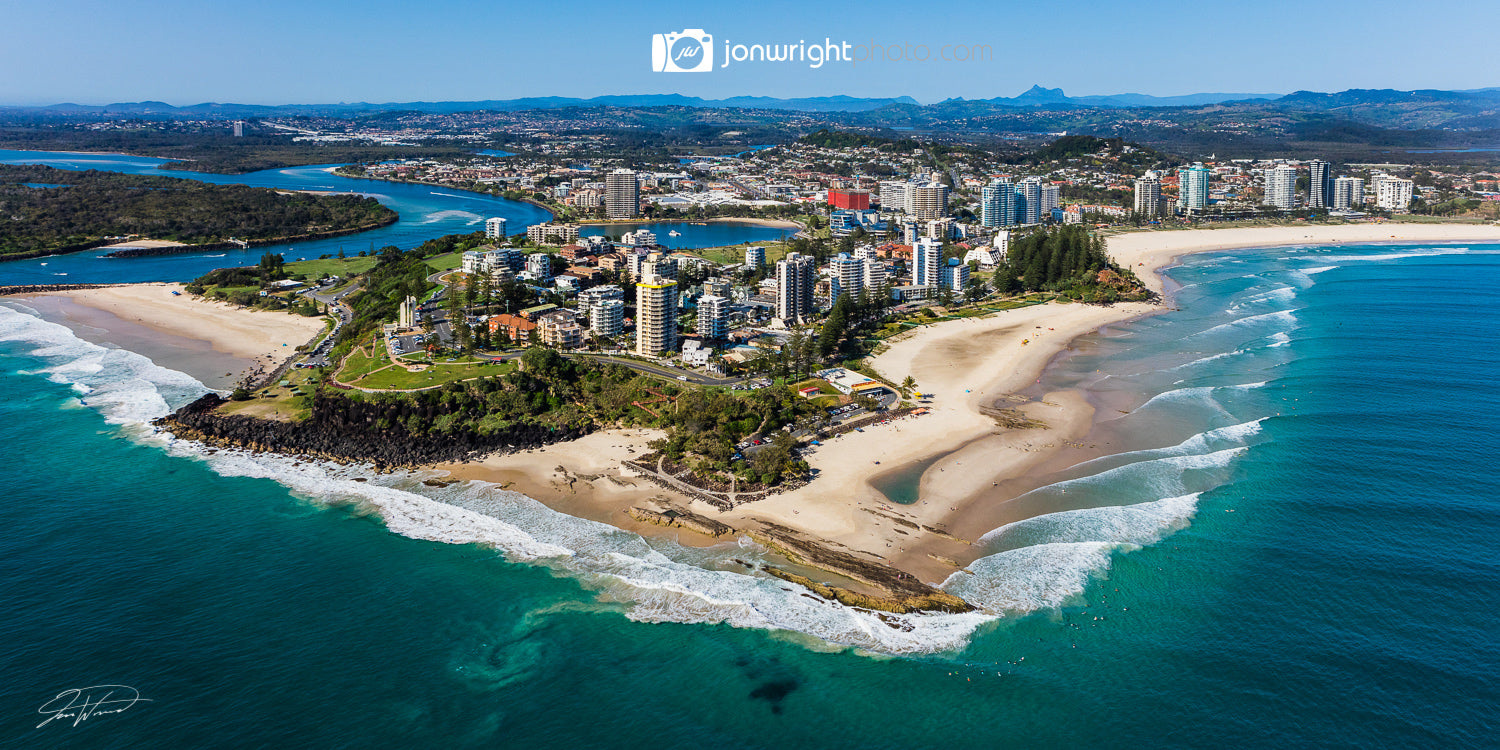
(343, 429)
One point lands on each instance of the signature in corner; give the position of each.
(79, 704)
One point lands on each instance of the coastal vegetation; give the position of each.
(1070, 261)
(79, 210)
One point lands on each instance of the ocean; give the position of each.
(1287, 542)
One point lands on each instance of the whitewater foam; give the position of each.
(1139, 525)
(1279, 294)
(1206, 441)
(1203, 394)
(1164, 475)
(1288, 316)
(123, 386)
(1052, 557)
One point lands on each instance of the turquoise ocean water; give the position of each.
(1293, 545)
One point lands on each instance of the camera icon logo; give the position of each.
(688, 51)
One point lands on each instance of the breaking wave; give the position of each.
(1052, 557)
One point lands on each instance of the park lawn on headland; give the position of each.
(438, 373)
(445, 262)
(311, 270)
(283, 403)
(359, 364)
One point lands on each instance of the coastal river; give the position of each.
(1285, 543)
(426, 212)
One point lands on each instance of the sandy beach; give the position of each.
(1149, 251)
(255, 338)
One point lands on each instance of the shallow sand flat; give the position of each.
(590, 485)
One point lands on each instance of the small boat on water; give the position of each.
(673, 233)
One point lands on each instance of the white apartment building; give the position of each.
(875, 272)
(1393, 193)
(755, 257)
(1148, 195)
(713, 317)
(539, 266)
(559, 234)
(1281, 187)
(956, 276)
(847, 274)
(927, 263)
(929, 201)
(1348, 193)
(622, 194)
(655, 317)
(1030, 192)
(893, 195)
(795, 276)
(494, 228)
(1051, 198)
(607, 317)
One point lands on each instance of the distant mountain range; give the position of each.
(1034, 98)
(215, 109)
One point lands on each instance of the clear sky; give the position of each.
(311, 51)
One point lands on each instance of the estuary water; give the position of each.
(1290, 543)
(426, 212)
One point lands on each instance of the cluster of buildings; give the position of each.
(1244, 185)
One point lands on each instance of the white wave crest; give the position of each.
(1279, 294)
(1028, 579)
(1206, 441)
(122, 385)
(1201, 393)
(1054, 555)
(657, 582)
(1424, 252)
(1287, 316)
(1153, 477)
(1140, 524)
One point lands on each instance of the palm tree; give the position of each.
(907, 386)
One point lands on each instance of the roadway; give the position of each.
(318, 357)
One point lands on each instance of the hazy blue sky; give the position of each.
(305, 51)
